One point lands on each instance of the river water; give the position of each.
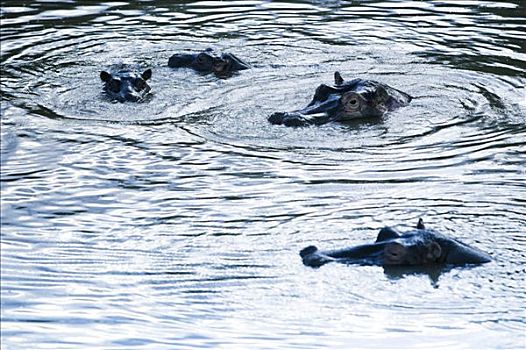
(176, 223)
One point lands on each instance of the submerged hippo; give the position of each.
(391, 248)
(209, 61)
(346, 100)
(126, 84)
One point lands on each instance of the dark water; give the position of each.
(176, 223)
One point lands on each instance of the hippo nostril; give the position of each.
(276, 118)
(287, 119)
(308, 251)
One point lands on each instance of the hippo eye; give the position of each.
(115, 85)
(200, 58)
(351, 102)
(140, 84)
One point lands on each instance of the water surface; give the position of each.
(177, 222)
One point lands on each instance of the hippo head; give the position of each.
(126, 85)
(345, 100)
(417, 252)
(208, 61)
(417, 248)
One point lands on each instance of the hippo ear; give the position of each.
(386, 234)
(420, 225)
(147, 74)
(338, 80)
(105, 76)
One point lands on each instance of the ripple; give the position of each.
(178, 221)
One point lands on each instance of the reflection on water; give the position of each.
(432, 272)
(176, 223)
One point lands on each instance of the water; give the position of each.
(176, 223)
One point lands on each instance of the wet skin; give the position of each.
(126, 85)
(414, 248)
(345, 101)
(209, 61)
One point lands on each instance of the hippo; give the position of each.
(209, 61)
(126, 84)
(345, 101)
(413, 248)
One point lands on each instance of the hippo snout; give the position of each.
(277, 118)
(287, 119)
(128, 94)
(130, 98)
(180, 60)
(308, 251)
